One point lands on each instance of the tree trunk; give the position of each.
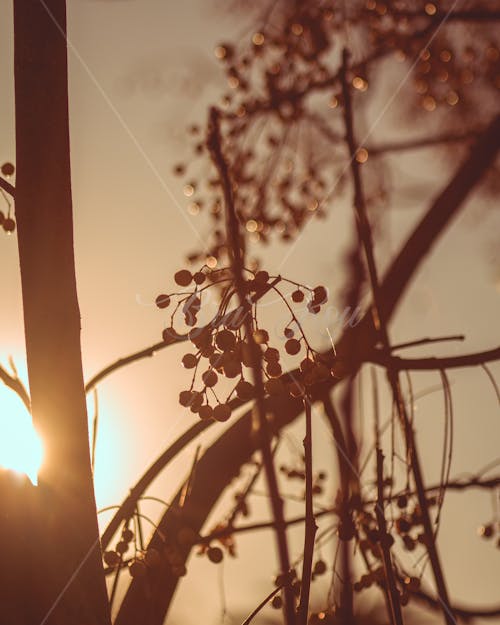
(67, 585)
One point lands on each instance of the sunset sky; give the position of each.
(140, 72)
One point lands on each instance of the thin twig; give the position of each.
(14, 383)
(233, 236)
(7, 187)
(310, 525)
(390, 585)
(381, 329)
(261, 605)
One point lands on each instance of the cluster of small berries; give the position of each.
(224, 349)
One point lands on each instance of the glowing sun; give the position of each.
(20, 446)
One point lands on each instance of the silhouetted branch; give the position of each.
(390, 582)
(222, 461)
(7, 187)
(14, 383)
(261, 605)
(237, 266)
(126, 510)
(434, 363)
(380, 324)
(311, 527)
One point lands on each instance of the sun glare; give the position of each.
(20, 446)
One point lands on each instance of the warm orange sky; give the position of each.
(140, 72)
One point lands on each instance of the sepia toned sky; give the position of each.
(140, 72)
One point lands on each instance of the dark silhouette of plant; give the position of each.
(299, 61)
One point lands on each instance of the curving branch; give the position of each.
(127, 508)
(224, 458)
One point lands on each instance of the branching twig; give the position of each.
(311, 527)
(14, 383)
(234, 241)
(381, 329)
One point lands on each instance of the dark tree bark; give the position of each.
(67, 582)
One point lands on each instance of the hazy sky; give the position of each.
(140, 72)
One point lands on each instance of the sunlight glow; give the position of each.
(21, 448)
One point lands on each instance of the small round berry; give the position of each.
(215, 554)
(222, 412)
(409, 542)
(205, 412)
(9, 225)
(196, 401)
(485, 531)
(183, 277)
(261, 337)
(225, 340)
(185, 398)
(274, 370)
(292, 346)
(189, 361)
(289, 333)
(245, 390)
(319, 567)
(216, 360)
(111, 558)
(261, 277)
(271, 354)
(137, 568)
(122, 547)
(320, 295)
(7, 169)
(277, 602)
(298, 296)
(127, 535)
(209, 378)
(402, 502)
(199, 277)
(306, 365)
(313, 308)
(162, 301)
